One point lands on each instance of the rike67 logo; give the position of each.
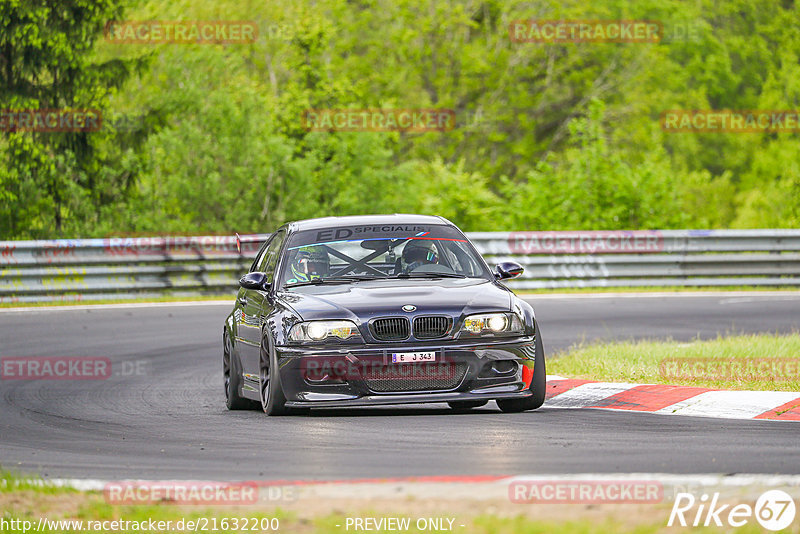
(774, 510)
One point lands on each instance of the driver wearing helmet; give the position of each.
(417, 253)
(309, 264)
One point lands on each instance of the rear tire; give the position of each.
(538, 386)
(465, 406)
(273, 402)
(232, 374)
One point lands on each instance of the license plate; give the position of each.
(413, 357)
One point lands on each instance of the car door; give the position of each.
(248, 325)
(256, 306)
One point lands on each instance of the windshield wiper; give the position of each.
(359, 277)
(429, 275)
(345, 279)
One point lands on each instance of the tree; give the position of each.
(51, 181)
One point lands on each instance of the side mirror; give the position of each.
(254, 280)
(508, 270)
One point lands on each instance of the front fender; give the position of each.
(526, 311)
(279, 322)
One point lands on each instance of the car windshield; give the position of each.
(350, 253)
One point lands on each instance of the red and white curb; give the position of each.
(672, 400)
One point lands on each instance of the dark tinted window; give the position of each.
(380, 251)
(269, 259)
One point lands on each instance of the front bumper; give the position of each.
(364, 375)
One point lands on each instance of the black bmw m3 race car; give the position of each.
(376, 310)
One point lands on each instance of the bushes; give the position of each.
(547, 136)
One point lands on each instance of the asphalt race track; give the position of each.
(162, 414)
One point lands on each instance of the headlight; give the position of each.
(319, 330)
(492, 323)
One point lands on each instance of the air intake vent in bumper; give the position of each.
(416, 377)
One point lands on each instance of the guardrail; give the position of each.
(118, 268)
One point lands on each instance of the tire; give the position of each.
(465, 406)
(273, 402)
(538, 386)
(232, 375)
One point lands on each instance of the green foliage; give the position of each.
(595, 187)
(52, 182)
(547, 136)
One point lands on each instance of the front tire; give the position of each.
(232, 374)
(273, 402)
(538, 386)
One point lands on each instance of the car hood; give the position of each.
(362, 301)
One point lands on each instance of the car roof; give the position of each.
(355, 220)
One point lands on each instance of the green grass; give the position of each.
(641, 362)
(26, 498)
(11, 482)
